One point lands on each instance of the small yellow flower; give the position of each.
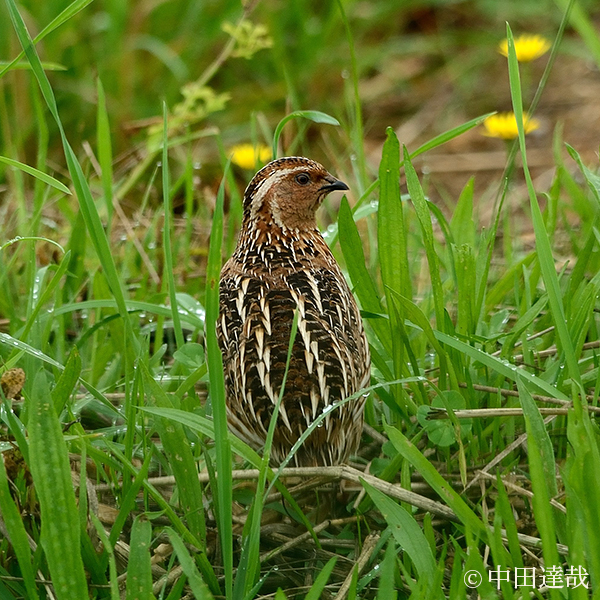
(527, 46)
(247, 156)
(504, 125)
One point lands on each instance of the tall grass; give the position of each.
(485, 378)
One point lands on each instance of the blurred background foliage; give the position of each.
(407, 55)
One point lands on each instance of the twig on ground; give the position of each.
(367, 549)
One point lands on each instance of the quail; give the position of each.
(282, 266)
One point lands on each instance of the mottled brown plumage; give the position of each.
(282, 264)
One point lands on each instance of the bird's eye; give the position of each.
(303, 178)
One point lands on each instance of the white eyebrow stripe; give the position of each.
(266, 184)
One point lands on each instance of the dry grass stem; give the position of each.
(367, 549)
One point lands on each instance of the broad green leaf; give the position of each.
(442, 432)
(364, 288)
(406, 531)
(18, 535)
(391, 230)
(191, 355)
(139, 569)
(421, 208)
(51, 473)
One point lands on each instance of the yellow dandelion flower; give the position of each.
(527, 47)
(504, 125)
(247, 156)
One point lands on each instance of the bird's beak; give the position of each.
(332, 185)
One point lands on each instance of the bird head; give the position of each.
(288, 191)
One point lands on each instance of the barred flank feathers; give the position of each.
(282, 264)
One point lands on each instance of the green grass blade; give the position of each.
(387, 589)
(160, 310)
(16, 428)
(67, 381)
(462, 224)
(351, 246)
(503, 367)
(584, 26)
(504, 510)
(139, 568)
(413, 313)
(249, 567)
(27, 349)
(583, 494)
(217, 389)
(104, 151)
(128, 502)
(357, 133)
(591, 178)
(51, 473)
(112, 563)
(46, 295)
(63, 17)
(391, 230)
(449, 135)
(542, 470)
(331, 234)
(315, 116)
(82, 189)
(199, 588)
(206, 427)
(61, 187)
(363, 284)
(30, 238)
(534, 425)
(421, 208)
(179, 453)
(321, 581)
(543, 246)
(17, 534)
(393, 253)
(25, 66)
(407, 532)
(437, 482)
(168, 251)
